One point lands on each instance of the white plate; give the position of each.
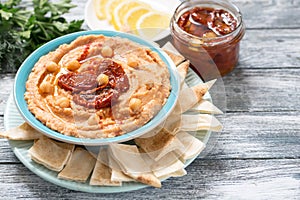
(12, 118)
(166, 6)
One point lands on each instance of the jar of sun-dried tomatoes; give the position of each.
(208, 33)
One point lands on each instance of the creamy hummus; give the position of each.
(97, 87)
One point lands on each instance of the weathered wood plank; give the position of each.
(6, 153)
(257, 154)
(257, 135)
(263, 90)
(6, 85)
(245, 135)
(270, 49)
(246, 90)
(265, 14)
(209, 179)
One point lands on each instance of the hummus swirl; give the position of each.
(97, 87)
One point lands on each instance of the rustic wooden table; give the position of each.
(257, 156)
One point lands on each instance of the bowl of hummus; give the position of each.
(96, 87)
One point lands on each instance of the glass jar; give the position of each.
(210, 57)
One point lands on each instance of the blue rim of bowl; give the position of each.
(27, 65)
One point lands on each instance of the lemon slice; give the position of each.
(99, 7)
(119, 13)
(132, 17)
(152, 24)
(109, 8)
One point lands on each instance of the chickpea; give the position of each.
(63, 102)
(52, 66)
(135, 104)
(46, 88)
(102, 79)
(131, 62)
(92, 120)
(106, 51)
(73, 65)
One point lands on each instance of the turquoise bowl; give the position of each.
(26, 67)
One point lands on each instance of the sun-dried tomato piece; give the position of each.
(87, 91)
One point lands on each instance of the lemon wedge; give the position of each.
(120, 12)
(109, 8)
(132, 17)
(152, 24)
(99, 7)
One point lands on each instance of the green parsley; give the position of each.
(23, 30)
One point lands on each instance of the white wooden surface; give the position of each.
(257, 156)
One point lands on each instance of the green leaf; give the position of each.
(61, 26)
(5, 15)
(23, 30)
(25, 34)
(61, 7)
(75, 25)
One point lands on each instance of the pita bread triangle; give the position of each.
(167, 165)
(102, 173)
(182, 70)
(159, 145)
(21, 132)
(205, 106)
(190, 122)
(190, 96)
(79, 167)
(116, 171)
(192, 146)
(133, 165)
(46, 152)
(175, 56)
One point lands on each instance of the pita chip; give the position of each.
(173, 122)
(190, 96)
(205, 106)
(79, 167)
(176, 57)
(201, 89)
(116, 171)
(186, 98)
(200, 122)
(169, 47)
(119, 176)
(148, 179)
(167, 165)
(182, 70)
(46, 152)
(102, 173)
(133, 165)
(148, 160)
(159, 145)
(22, 132)
(64, 145)
(192, 145)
